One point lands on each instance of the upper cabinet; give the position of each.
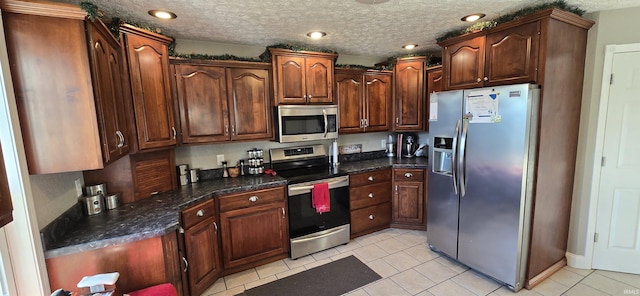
(364, 99)
(408, 77)
(69, 97)
(434, 84)
(222, 101)
(148, 68)
(302, 77)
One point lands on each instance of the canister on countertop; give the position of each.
(182, 169)
(93, 204)
(96, 189)
(112, 201)
(194, 175)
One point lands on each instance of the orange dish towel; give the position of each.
(320, 199)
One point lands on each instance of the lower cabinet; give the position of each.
(409, 199)
(254, 227)
(201, 258)
(370, 201)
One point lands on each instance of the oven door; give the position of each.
(304, 220)
(306, 123)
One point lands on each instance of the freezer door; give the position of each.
(442, 210)
(493, 177)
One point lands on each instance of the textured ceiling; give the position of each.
(352, 27)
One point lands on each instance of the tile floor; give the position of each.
(409, 267)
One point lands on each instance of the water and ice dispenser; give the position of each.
(442, 155)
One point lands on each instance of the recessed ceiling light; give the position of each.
(410, 46)
(472, 17)
(372, 1)
(316, 34)
(163, 14)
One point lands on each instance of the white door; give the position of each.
(618, 216)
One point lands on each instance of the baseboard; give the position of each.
(545, 274)
(578, 261)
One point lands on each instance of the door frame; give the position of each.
(594, 190)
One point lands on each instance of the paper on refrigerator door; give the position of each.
(433, 107)
(482, 106)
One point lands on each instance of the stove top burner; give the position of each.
(302, 164)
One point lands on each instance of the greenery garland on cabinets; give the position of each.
(481, 26)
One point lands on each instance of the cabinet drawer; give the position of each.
(369, 195)
(416, 175)
(372, 217)
(369, 177)
(198, 213)
(251, 198)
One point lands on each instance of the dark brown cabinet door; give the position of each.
(349, 90)
(377, 102)
(319, 80)
(253, 233)
(150, 85)
(6, 208)
(202, 97)
(250, 103)
(512, 55)
(464, 64)
(409, 94)
(106, 66)
(291, 79)
(203, 255)
(408, 198)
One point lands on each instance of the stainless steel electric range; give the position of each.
(309, 231)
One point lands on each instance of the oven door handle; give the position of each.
(340, 229)
(338, 182)
(326, 123)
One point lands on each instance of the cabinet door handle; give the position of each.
(478, 80)
(366, 122)
(371, 195)
(121, 139)
(253, 198)
(370, 178)
(486, 78)
(397, 120)
(408, 175)
(283, 213)
(371, 217)
(200, 213)
(186, 264)
(175, 134)
(215, 226)
(233, 130)
(226, 129)
(305, 97)
(155, 193)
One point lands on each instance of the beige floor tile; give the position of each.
(231, 292)
(449, 288)
(435, 271)
(217, 287)
(582, 272)
(476, 283)
(401, 261)
(424, 293)
(584, 290)
(385, 287)
(368, 239)
(413, 237)
(412, 281)
(343, 255)
(455, 266)
(422, 253)
(370, 252)
(325, 254)
(271, 269)
(295, 263)
(260, 282)
(353, 244)
(382, 268)
(290, 272)
(627, 278)
(392, 245)
(550, 288)
(359, 292)
(606, 284)
(317, 263)
(504, 291)
(566, 278)
(241, 278)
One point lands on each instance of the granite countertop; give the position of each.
(160, 214)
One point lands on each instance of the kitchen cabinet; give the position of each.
(148, 68)
(254, 227)
(370, 201)
(222, 101)
(408, 80)
(302, 77)
(365, 100)
(506, 56)
(434, 84)
(69, 96)
(6, 207)
(409, 199)
(202, 261)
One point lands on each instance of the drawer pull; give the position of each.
(408, 175)
(371, 195)
(371, 217)
(253, 198)
(370, 178)
(200, 213)
(186, 264)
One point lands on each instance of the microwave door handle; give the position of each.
(326, 123)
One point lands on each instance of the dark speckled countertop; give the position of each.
(159, 215)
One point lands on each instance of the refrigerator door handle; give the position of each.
(454, 152)
(462, 165)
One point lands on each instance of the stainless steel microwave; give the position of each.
(297, 123)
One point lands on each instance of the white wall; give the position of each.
(53, 195)
(612, 27)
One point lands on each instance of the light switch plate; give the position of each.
(78, 187)
(220, 158)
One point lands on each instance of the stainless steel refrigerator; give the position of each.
(481, 178)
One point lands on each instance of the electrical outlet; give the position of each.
(220, 158)
(78, 187)
(383, 143)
